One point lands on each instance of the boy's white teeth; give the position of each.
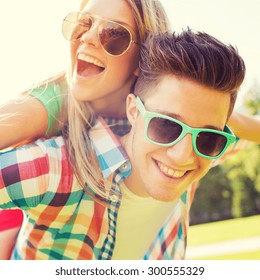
(90, 59)
(169, 171)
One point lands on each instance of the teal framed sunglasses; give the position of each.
(166, 131)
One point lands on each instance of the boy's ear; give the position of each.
(131, 110)
(136, 72)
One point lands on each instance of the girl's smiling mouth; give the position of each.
(88, 66)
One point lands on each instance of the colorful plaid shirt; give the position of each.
(62, 221)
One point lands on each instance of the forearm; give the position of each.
(245, 126)
(7, 241)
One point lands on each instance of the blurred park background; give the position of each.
(227, 203)
(229, 191)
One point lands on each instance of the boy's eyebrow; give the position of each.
(179, 118)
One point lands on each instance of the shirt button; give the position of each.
(124, 166)
(113, 198)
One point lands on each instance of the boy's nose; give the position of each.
(182, 153)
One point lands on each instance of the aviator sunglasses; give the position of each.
(166, 131)
(114, 37)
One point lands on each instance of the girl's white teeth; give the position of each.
(169, 171)
(90, 59)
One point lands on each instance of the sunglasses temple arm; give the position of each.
(140, 105)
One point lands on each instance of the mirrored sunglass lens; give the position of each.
(163, 130)
(210, 144)
(114, 38)
(75, 25)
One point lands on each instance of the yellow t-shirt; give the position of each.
(139, 220)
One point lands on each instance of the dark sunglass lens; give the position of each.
(75, 25)
(210, 144)
(114, 38)
(163, 131)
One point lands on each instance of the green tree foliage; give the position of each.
(213, 198)
(252, 101)
(243, 173)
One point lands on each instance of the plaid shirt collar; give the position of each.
(111, 155)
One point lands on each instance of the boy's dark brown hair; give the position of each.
(196, 56)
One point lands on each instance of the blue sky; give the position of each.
(32, 46)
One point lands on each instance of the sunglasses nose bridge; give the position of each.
(193, 134)
(186, 130)
(194, 141)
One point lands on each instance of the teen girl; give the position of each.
(104, 56)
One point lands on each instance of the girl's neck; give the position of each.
(109, 107)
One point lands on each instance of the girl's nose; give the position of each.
(90, 37)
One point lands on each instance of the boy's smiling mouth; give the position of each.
(169, 172)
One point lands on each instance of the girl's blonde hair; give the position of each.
(150, 16)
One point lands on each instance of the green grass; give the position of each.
(238, 256)
(224, 230)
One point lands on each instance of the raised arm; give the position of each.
(22, 121)
(245, 127)
(33, 115)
